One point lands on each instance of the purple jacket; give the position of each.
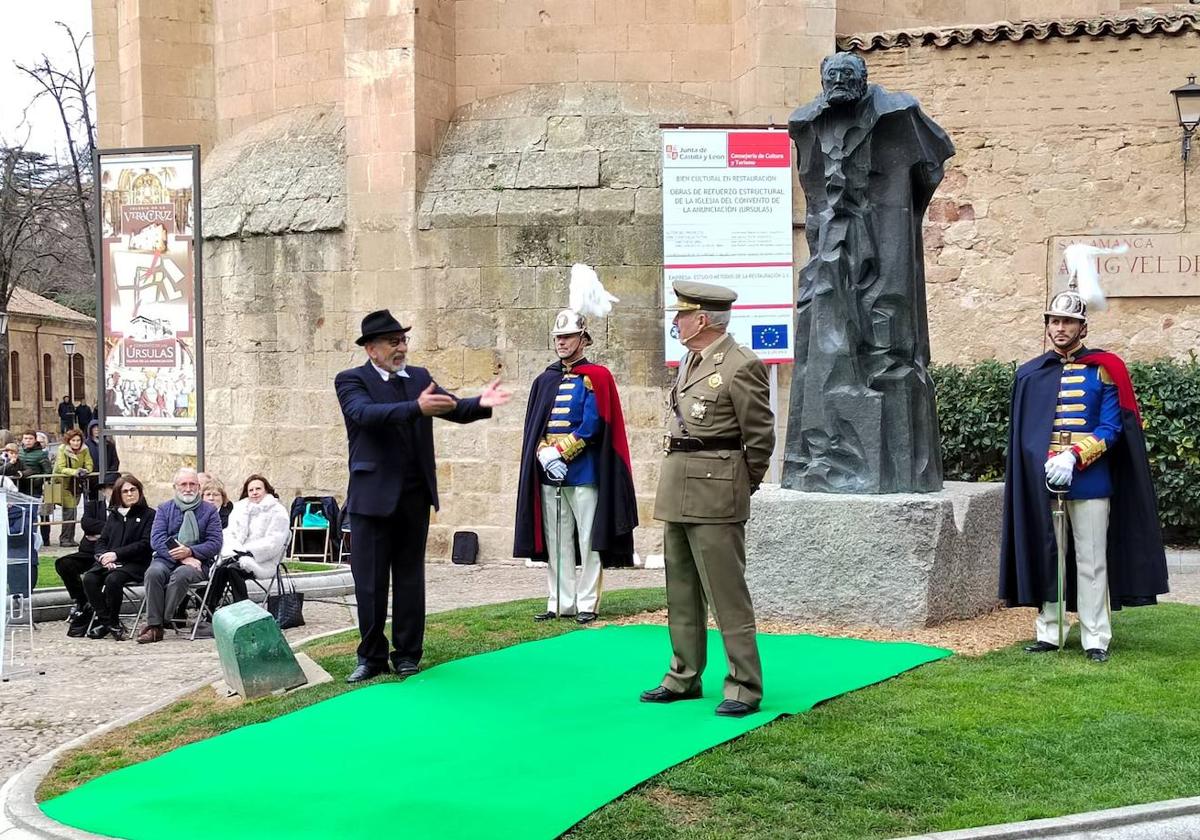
(168, 519)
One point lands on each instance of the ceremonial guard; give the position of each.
(575, 497)
(1076, 442)
(722, 434)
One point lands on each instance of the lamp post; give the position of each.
(1187, 103)
(69, 346)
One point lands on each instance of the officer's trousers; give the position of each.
(1089, 527)
(574, 517)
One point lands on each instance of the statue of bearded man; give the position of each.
(863, 418)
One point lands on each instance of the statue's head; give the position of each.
(843, 78)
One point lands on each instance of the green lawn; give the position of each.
(48, 578)
(958, 743)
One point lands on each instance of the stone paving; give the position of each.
(88, 683)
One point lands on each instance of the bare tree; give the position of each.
(72, 89)
(33, 199)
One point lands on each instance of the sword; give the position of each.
(1059, 515)
(558, 548)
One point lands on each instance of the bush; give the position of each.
(973, 404)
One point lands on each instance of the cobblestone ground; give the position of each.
(88, 683)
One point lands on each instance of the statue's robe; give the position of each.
(862, 416)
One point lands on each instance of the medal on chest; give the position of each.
(699, 409)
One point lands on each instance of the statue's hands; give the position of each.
(1060, 469)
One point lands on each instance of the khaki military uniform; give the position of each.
(704, 499)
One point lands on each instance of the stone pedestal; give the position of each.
(899, 560)
(255, 657)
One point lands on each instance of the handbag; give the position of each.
(465, 548)
(286, 607)
(313, 518)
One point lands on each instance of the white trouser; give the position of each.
(578, 512)
(1089, 526)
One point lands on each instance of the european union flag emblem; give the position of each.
(768, 336)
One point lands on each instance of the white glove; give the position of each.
(552, 463)
(1061, 469)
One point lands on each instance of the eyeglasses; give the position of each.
(393, 340)
(133, 490)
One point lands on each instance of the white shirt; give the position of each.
(387, 375)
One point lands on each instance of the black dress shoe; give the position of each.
(736, 708)
(1040, 647)
(1096, 654)
(119, 631)
(586, 618)
(545, 616)
(365, 672)
(98, 632)
(662, 694)
(406, 668)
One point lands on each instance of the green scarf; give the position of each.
(189, 531)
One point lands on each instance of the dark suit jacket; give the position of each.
(374, 427)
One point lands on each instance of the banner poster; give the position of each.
(148, 289)
(727, 219)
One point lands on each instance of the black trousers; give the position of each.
(391, 546)
(233, 577)
(104, 590)
(70, 568)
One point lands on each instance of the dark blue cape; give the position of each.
(1137, 564)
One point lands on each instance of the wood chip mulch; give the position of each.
(969, 637)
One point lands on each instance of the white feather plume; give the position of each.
(588, 296)
(1081, 264)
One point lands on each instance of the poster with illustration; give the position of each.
(149, 289)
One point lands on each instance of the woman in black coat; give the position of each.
(123, 554)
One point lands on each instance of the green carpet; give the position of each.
(520, 743)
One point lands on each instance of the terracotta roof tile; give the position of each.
(1119, 25)
(25, 302)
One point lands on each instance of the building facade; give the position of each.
(451, 159)
(38, 363)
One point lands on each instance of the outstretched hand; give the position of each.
(433, 403)
(493, 395)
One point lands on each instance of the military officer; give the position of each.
(721, 437)
(1076, 430)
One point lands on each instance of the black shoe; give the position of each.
(662, 694)
(78, 631)
(98, 632)
(119, 631)
(77, 612)
(1040, 647)
(545, 616)
(585, 618)
(78, 622)
(406, 668)
(1096, 654)
(736, 708)
(365, 672)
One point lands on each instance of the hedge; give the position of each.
(973, 405)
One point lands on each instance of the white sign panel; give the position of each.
(727, 219)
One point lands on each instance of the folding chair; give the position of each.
(203, 609)
(131, 598)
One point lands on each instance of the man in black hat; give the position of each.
(388, 407)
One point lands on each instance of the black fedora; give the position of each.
(380, 322)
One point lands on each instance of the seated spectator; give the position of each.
(186, 538)
(72, 466)
(70, 567)
(35, 461)
(258, 531)
(122, 557)
(112, 464)
(213, 492)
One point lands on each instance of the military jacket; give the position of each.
(727, 396)
(1087, 420)
(574, 423)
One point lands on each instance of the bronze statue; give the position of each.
(863, 418)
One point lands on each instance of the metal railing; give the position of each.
(89, 484)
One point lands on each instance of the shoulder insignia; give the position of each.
(717, 359)
(715, 381)
(587, 383)
(1105, 377)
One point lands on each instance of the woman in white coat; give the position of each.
(258, 530)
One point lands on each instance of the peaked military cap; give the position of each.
(691, 295)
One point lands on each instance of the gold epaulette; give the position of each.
(587, 383)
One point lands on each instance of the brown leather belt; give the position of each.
(691, 444)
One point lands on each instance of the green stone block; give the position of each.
(254, 655)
